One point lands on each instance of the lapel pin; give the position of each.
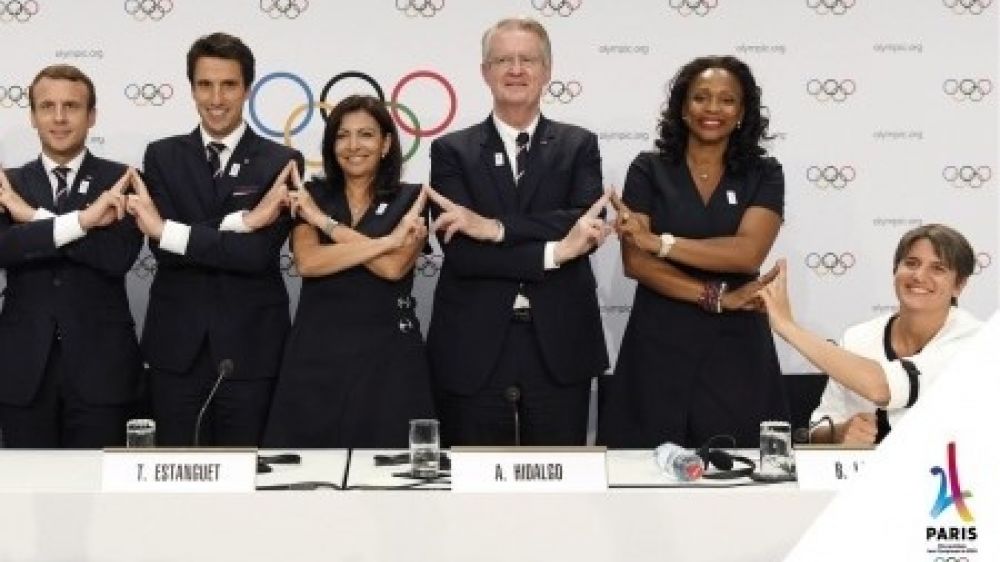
(381, 208)
(234, 169)
(731, 197)
(84, 185)
(498, 159)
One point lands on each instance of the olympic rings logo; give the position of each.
(11, 96)
(155, 10)
(836, 7)
(983, 260)
(144, 267)
(967, 176)
(149, 94)
(565, 92)
(831, 176)
(303, 112)
(962, 89)
(17, 10)
(287, 265)
(414, 8)
(549, 8)
(699, 7)
(974, 7)
(429, 265)
(291, 9)
(829, 262)
(831, 89)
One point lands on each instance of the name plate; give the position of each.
(829, 467)
(529, 469)
(215, 470)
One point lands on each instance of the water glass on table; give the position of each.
(425, 448)
(140, 433)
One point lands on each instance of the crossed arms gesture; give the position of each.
(587, 233)
(390, 257)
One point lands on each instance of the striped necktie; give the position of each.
(214, 150)
(521, 158)
(62, 185)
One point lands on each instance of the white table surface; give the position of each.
(52, 511)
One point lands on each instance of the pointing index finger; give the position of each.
(597, 207)
(439, 200)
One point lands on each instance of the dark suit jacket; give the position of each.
(478, 282)
(79, 288)
(228, 286)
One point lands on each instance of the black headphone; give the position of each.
(724, 460)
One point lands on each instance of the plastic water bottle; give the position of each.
(678, 462)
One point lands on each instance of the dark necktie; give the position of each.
(214, 149)
(521, 158)
(62, 185)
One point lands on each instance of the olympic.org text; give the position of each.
(95, 140)
(881, 221)
(898, 48)
(762, 49)
(623, 49)
(623, 135)
(80, 54)
(898, 135)
(884, 308)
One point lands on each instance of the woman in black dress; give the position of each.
(696, 221)
(354, 370)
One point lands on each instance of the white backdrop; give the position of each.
(885, 111)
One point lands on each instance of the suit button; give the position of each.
(57, 282)
(405, 302)
(405, 325)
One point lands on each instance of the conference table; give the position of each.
(52, 509)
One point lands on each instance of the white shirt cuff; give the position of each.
(66, 228)
(41, 214)
(899, 384)
(550, 256)
(233, 222)
(175, 237)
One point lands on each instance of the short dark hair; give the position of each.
(744, 142)
(64, 72)
(949, 245)
(223, 46)
(390, 167)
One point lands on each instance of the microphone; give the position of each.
(225, 369)
(804, 434)
(513, 395)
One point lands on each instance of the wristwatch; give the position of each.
(666, 242)
(330, 224)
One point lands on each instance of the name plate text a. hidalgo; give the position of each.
(529, 469)
(208, 470)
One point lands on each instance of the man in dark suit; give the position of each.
(69, 359)
(214, 214)
(515, 323)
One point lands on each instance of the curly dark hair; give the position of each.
(744, 142)
(390, 168)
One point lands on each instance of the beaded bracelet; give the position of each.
(710, 299)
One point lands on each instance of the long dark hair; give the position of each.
(390, 168)
(744, 142)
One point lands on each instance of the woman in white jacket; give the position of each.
(883, 365)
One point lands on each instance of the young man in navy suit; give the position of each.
(212, 205)
(515, 324)
(69, 359)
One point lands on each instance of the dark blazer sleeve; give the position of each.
(208, 246)
(553, 225)
(471, 258)
(111, 249)
(24, 242)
